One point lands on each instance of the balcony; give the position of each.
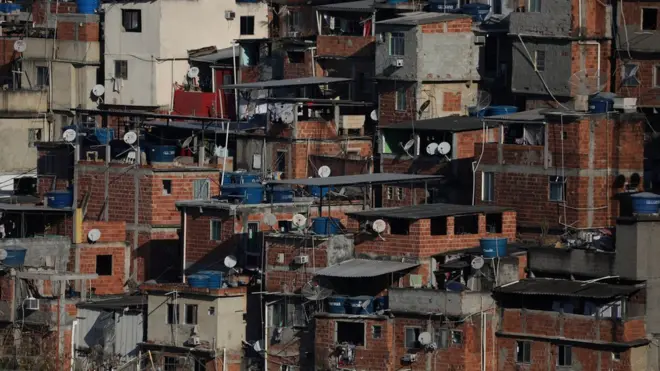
(435, 301)
(14, 102)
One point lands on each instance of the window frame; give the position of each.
(247, 25)
(42, 73)
(442, 343)
(401, 99)
(105, 256)
(523, 352)
(641, 18)
(625, 78)
(32, 136)
(376, 334)
(172, 312)
(536, 8)
(400, 194)
(558, 180)
(406, 341)
(397, 44)
(488, 193)
(167, 187)
(364, 331)
(195, 314)
(126, 14)
(567, 359)
(121, 69)
(169, 365)
(539, 64)
(215, 223)
(206, 183)
(656, 75)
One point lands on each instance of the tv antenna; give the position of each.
(130, 138)
(3, 254)
(432, 148)
(477, 263)
(374, 115)
(20, 46)
(423, 107)
(324, 171)
(314, 290)
(406, 147)
(186, 143)
(589, 82)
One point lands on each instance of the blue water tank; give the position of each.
(337, 304)
(280, 194)
(317, 191)
(381, 303)
(501, 110)
(198, 281)
(87, 6)
(396, 1)
(443, 6)
(215, 279)
(245, 178)
(230, 189)
(645, 203)
(600, 105)
(228, 178)
(13, 8)
(59, 199)
(477, 11)
(493, 247)
(325, 226)
(15, 256)
(361, 304)
(104, 135)
(253, 193)
(4, 8)
(161, 153)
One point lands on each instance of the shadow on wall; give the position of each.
(161, 259)
(214, 260)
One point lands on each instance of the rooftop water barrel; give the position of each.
(493, 247)
(13, 8)
(215, 279)
(501, 110)
(357, 304)
(280, 194)
(253, 193)
(477, 11)
(15, 256)
(325, 226)
(245, 178)
(645, 203)
(381, 303)
(159, 153)
(600, 105)
(337, 304)
(4, 8)
(228, 178)
(230, 189)
(442, 6)
(317, 191)
(198, 281)
(104, 135)
(87, 6)
(59, 199)
(396, 1)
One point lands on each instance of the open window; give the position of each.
(439, 226)
(528, 135)
(350, 332)
(399, 226)
(466, 224)
(494, 223)
(649, 19)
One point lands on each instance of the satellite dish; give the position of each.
(270, 219)
(432, 148)
(324, 171)
(98, 90)
(69, 135)
(230, 261)
(20, 46)
(94, 235)
(409, 144)
(299, 220)
(193, 72)
(287, 117)
(3, 254)
(589, 81)
(423, 107)
(219, 151)
(425, 338)
(187, 141)
(130, 138)
(444, 148)
(313, 290)
(481, 99)
(477, 262)
(374, 115)
(258, 346)
(379, 226)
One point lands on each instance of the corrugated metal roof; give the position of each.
(356, 268)
(344, 180)
(558, 287)
(419, 18)
(272, 84)
(226, 53)
(448, 123)
(353, 6)
(427, 211)
(116, 303)
(535, 115)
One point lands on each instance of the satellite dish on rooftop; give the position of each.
(299, 220)
(3, 254)
(324, 171)
(94, 235)
(589, 82)
(258, 346)
(374, 115)
(313, 290)
(425, 338)
(130, 138)
(69, 135)
(432, 148)
(230, 261)
(20, 46)
(193, 72)
(98, 90)
(477, 263)
(379, 226)
(409, 144)
(270, 219)
(444, 148)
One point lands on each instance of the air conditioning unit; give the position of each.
(32, 304)
(397, 62)
(301, 259)
(409, 358)
(194, 340)
(480, 40)
(230, 15)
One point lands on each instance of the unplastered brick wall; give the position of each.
(157, 254)
(646, 91)
(301, 149)
(110, 231)
(454, 26)
(78, 31)
(584, 57)
(345, 46)
(108, 260)
(282, 273)
(387, 109)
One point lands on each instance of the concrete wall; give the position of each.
(447, 56)
(553, 20)
(436, 301)
(409, 71)
(557, 67)
(448, 98)
(15, 154)
(42, 252)
(571, 261)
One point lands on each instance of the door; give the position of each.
(226, 103)
(253, 244)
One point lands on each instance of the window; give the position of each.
(287, 315)
(293, 22)
(216, 230)
(281, 161)
(349, 332)
(199, 364)
(400, 193)
(535, 6)
(488, 187)
(564, 356)
(390, 193)
(649, 19)
(557, 188)
(397, 47)
(104, 265)
(34, 135)
(131, 20)
(211, 311)
(247, 25)
(630, 77)
(43, 79)
(296, 56)
(439, 226)
(456, 337)
(523, 352)
(172, 314)
(190, 311)
(539, 60)
(167, 187)
(121, 70)
(399, 226)
(401, 103)
(441, 338)
(201, 189)
(616, 356)
(377, 332)
(170, 364)
(412, 334)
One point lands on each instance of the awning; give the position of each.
(356, 268)
(345, 180)
(452, 124)
(559, 287)
(354, 6)
(273, 84)
(220, 54)
(531, 116)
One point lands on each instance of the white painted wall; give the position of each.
(169, 29)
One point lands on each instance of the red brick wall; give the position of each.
(451, 101)
(110, 231)
(105, 285)
(458, 25)
(77, 31)
(39, 9)
(387, 103)
(287, 274)
(647, 92)
(586, 57)
(345, 46)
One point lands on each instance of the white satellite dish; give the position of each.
(94, 235)
(444, 148)
(187, 141)
(20, 46)
(374, 115)
(425, 338)
(287, 117)
(432, 148)
(270, 219)
(299, 220)
(219, 151)
(3, 254)
(379, 226)
(98, 90)
(258, 346)
(324, 171)
(230, 261)
(193, 72)
(130, 138)
(477, 262)
(409, 144)
(69, 135)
